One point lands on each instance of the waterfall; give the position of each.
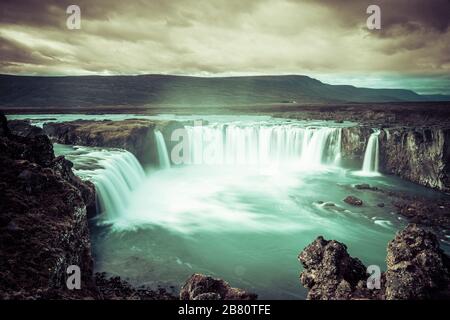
(163, 155)
(244, 144)
(370, 163)
(115, 174)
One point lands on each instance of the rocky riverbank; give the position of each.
(416, 269)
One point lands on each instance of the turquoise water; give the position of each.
(243, 223)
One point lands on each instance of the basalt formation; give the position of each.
(416, 269)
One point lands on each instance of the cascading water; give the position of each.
(163, 155)
(262, 144)
(115, 173)
(370, 163)
(178, 220)
(121, 175)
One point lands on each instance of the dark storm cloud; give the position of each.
(410, 15)
(224, 37)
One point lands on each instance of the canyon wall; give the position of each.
(420, 155)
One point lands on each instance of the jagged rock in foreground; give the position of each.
(417, 267)
(133, 135)
(201, 287)
(43, 225)
(330, 273)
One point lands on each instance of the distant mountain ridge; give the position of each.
(91, 91)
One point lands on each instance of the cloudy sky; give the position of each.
(325, 39)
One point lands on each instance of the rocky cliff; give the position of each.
(136, 136)
(43, 225)
(420, 155)
(354, 142)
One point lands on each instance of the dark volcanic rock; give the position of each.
(24, 128)
(114, 288)
(354, 201)
(201, 287)
(63, 168)
(136, 136)
(421, 155)
(43, 225)
(420, 210)
(417, 267)
(354, 142)
(330, 272)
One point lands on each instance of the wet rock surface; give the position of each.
(354, 201)
(416, 269)
(201, 287)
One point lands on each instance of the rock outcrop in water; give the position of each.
(330, 272)
(135, 136)
(416, 269)
(354, 201)
(201, 287)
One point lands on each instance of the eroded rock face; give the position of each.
(201, 287)
(417, 267)
(421, 155)
(330, 273)
(354, 142)
(418, 155)
(43, 225)
(135, 136)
